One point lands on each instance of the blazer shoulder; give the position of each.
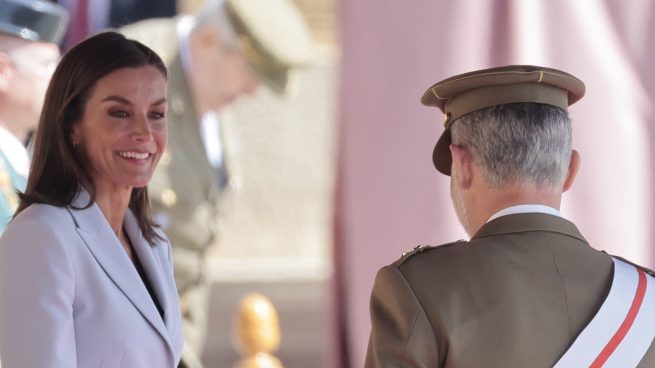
(38, 221)
(161, 234)
(162, 240)
(44, 213)
(421, 249)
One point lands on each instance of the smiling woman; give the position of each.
(86, 277)
(123, 130)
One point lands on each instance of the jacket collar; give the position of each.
(524, 222)
(103, 243)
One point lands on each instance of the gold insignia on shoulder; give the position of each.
(418, 248)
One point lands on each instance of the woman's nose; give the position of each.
(141, 130)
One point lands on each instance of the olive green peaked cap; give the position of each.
(464, 93)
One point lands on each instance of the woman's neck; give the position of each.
(113, 203)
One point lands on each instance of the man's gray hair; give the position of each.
(518, 142)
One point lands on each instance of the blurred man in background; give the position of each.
(30, 32)
(214, 57)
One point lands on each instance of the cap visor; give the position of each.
(441, 155)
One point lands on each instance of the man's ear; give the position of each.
(462, 164)
(6, 72)
(572, 172)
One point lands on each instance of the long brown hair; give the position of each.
(57, 172)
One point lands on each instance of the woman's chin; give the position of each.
(138, 182)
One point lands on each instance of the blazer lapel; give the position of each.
(152, 266)
(108, 252)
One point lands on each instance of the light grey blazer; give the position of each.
(71, 297)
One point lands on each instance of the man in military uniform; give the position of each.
(214, 57)
(30, 31)
(527, 284)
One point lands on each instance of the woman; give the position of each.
(86, 277)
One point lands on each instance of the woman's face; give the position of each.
(123, 130)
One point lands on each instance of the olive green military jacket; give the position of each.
(516, 295)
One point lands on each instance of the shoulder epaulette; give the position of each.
(645, 269)
(422, 248)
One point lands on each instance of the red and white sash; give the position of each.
(624, 327)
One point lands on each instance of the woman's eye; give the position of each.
(119, 113)
(156, 115)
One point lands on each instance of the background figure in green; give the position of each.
(214, 57)
(30, 32)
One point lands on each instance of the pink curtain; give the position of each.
(389, 196)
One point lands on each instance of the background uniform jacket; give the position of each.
(71, 297)
(516, 295)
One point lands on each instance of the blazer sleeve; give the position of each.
(37, 289)
(401, 335)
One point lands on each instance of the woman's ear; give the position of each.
(572, 172)
(75, 136)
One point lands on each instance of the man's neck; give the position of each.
(525, 208)
(493, 200)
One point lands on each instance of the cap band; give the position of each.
(480, 98)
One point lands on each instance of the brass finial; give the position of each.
(257, 332)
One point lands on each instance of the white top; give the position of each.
(15, 152)
(210, 131)
(526, 208)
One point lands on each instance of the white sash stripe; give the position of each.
(606, 322)
(635, 344)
